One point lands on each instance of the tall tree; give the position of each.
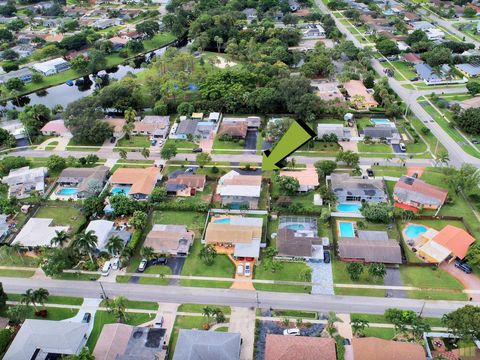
(86, 243)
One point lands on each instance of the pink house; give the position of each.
(55, 127)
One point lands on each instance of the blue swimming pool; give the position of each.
(295, 227)
(346, 229)
(413, 231)
(67, 191)
(380, 121)
(222, 221)
(120, 190)
(349, 208)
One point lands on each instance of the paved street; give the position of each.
(240, 298)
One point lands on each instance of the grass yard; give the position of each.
(136, 304)
(185, 144)
(401, 68)
(76, 276)
(295, 314)
(183, 322)
(192, 220)
(340, 276)
(73, 145)
(21, 261)
(381, 319)
(432, 278)
(290, 271)
(198, 308)
(382, 333)
(17, 273)
(374, 148)
(62, 215)
(394, 171)
(227, 145)
(103, 317)
(134, 141)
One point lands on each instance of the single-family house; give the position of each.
(430, 77)
(180, 183)
(235, 130)
(244, 234)
(38, 232)
(253, 122)
(250, 13)
(186, 128)
(135, 182)
(126, 342)
(200, 344)
(4, 227)
(23, 182)
(23, 74)
(348, 188)
(328, 91)
(279, 347)
(359, 95)
(104, 230)
(23, 50)
(51, 67)
(370, 247)
(382, 132)
(214, 117)
(307, 178)
(422, 25)
(412, 194)
(47, 339)
(174, 240)
(343, 133)
(300, 241)
(55, 128)
(106, 23)
(117, 126)
(156, 126)
(471, 70)
(118, 43)
(313, 31)
(434, 34)
(372, 348)
(237, 188)
(412, 58)
(447, 244)
(86, 181)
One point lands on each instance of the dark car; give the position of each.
(197, 150)
(414, 78)
(113, 139)
(475, 141)
(86, 318)
(326, 257)
(370, 172)
(463, 266)
(159, 261)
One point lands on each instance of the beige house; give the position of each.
(174, 240)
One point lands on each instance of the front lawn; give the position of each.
(52, 299)
(340, 276)
(103, 317)
(290, 271)
(185, 144)
(134, 141)
(229, 145)
(382, 333)
(198, 308)
(374, 148)
(21, 261)
(136, 304)
(183, 322)
(16, 273)
(62, 215)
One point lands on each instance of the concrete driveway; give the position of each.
(321, 273)
(89, 305)
(242, 320)
(470, 281)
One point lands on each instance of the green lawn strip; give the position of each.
(103, 317)
(401, 68)
(157, 269)
(137, 162)
(20, 261)
(235, 145)
(53, 299)
(360, 292)
(381, 319)
(206, 283)
(75, 146)
(393, 171)
(157, 41)
(295, 314)
(382, 333)
(62, 215)
(138, 166)
(17, 273)
(182, 144)
(137, 304)
(283, 288)
(198, 308)
(290, 271)
(374, 148)
(222, 329)
(183, 322)
(134, 141)
(76, 276)
(340, 276)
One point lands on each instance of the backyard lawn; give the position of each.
(192, 220)
(62, 215)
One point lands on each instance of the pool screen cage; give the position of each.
(286, 220)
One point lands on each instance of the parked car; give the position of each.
(475, 141)
(115, 264)
(159, 323)
(326, 257)
(106, 268)
(291, 332)
(113, 139)
(248, 270)
(159, 261)
(86, 318)
(197, 150)
(154, 142)
(370, 173)
(415, 78)
(403, 148)
(143, 265)
(463, 266)
(240, 269)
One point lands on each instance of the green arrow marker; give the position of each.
(297, 135)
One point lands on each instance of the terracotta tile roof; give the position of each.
(279, 347)
(406, 207)
(419, 191)
(307, 177)
(142, 180)
(356, 87)
(235, 129)
(455, 239)
(412, 58)
(370, 348)
(57, 126)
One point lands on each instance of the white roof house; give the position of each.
(51, 67)
(102, 229)
(38, 338)
(434, 34)
(23, 181)
(37, 232)
(339, 130)
(235, 184)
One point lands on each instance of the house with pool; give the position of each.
(137, 183)
(352, 189)
(79, 183)
(174, 240)
(239, 188)
(413, 194)
(237, 236)
(435, 246)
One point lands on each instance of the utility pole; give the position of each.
(104, 296)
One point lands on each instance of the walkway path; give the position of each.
(242, 320)
(345, 330)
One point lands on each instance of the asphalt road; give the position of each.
(240, 298)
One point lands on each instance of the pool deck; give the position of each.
(55, 196)
(347, 215)
(411, 238)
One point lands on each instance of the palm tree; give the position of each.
(40, 296)
(207, 312)
(128, 128)
(86, 243)
(358, 326)
(119, 306)
(147, 252)
(145, 153)
(331, 320)
(114, 245)
(60, 238)
(443, 158)
(18, 249)
(123, 154)
(28, 298)
(219, 42)
(130, 115)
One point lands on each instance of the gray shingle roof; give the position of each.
(207, 345)
(370, 250)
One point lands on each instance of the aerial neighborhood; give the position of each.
(234, 180)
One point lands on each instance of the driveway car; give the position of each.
(86, 318)
(463, 266)
(291, 332)
(143, 265)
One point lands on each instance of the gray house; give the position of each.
(200, 344)
(348, 188)
(85, 180)
(390, 133)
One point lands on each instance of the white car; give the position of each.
(240, 269)
(291, 332)
(142, 266)
(403, 148)
(115, 263)
(248, 269)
